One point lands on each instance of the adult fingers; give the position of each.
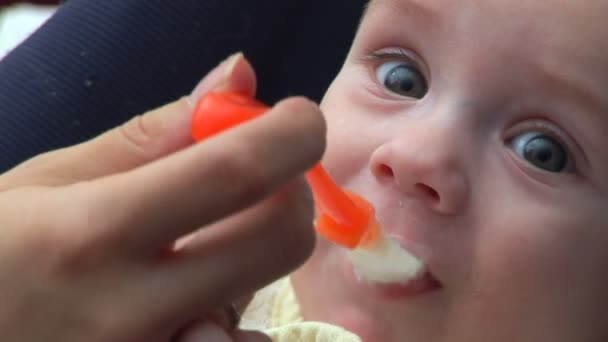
(162, 201)
(240, 254)
(228, 316)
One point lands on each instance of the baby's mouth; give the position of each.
(393, 274)
(422, 284)
(385, 260)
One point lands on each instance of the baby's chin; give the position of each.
(376, 326)
(328, 291)
(340, 308)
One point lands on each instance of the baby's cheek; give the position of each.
(537, 256)
(307, 277)
(318, 282)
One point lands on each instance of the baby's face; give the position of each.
(479, 130)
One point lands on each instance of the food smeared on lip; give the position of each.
(385, 261)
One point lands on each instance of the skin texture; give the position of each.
(88, 249)
(520, 251)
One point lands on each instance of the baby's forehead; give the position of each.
(561, 10)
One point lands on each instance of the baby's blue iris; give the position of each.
(541, 151)
(402, 79)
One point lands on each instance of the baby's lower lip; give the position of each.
(423, 284)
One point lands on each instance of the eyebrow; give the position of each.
(417, 8)
(573, 89)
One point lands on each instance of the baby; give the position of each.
(477, 129)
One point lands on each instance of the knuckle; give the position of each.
(308, 115)
(312, 117)
(39, 236)
(137, 136)
(307, 124)
(70, 238)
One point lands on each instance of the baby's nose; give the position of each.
(425, 168)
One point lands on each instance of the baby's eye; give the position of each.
(402, 79)
(541, 151)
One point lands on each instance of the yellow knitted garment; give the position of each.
(275, 311)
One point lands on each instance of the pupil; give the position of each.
(405, 80)
(400, 79)
(407, 84)
(546, 153)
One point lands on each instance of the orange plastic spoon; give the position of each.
(344, 217)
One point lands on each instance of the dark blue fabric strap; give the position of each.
(94, 64)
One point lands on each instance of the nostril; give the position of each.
(385, 170)
(430, 192)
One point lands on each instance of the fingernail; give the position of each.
(216, 78)
(206, 332)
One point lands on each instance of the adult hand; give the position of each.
(87, 248)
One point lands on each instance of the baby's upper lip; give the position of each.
(409, 234)
(410, 222)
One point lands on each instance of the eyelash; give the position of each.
(373, 59)
(396, 54)
(384, 55)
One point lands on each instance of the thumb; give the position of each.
(142, 139)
